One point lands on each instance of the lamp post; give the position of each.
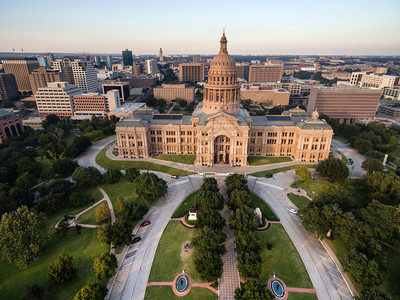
(351, 172)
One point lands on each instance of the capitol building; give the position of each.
(220, 131)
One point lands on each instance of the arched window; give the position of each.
(13, 130)
(19, 128)
(7, 130)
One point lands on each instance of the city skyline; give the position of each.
(360, 27)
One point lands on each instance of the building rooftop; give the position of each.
(127, 107)
(4, 113)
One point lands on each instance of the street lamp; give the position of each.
(351, 172)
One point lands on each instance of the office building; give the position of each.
(172, 92)
(151, 66)
(122, 87)
(43, 62)
(265, 73)
(379, 81)
(8, 86)
(87, 105)
(34, 122)
(41, 77)
(243, 71)
(109, 60)
(64, 65)
(221, 132)
(56, 98)
(392, 92)
(347, 104)
(161, 55)
(191, 72)
(10, 125)
(127, 57)
(85, 75)
(49, 57)
(142, 81)
(136, 70)
(21, 68)
(265, 96)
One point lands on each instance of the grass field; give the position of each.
(277, 170)
(299, 201)
(265, 209)
(265, 160)
(183, 159)
(344, 158)
(282, 260)
(184, 207)
(166, 293)
(302, 296)
(83, 248)
(168, 261)
(313, 187)
(107, 163)
(340, 138)
(89, 216)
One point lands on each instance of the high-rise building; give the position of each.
(21, 68)
(196, 58)
(151, 66)
(8, 86)
(64, 65)
(243, 71)
(41, 77)
(348, 104)
(191, 72)
(56, 98)
(355, 77)
(136, 70)
(49, 57)
(265, 73)
(161, 55)
(85, 76)
(121, 87)
(379, 81)
(43, 62)
(109, 60)
(127, 57)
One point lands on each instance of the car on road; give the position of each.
(174, 176)
(293, 211)
(350, 161)
(269, 176)
(136, 239)
(145, 223)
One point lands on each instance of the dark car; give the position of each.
(350, 161)
(269, 176)
(136, 239)
(145, 223)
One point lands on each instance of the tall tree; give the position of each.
(91, 291)
(251, 290)
(243, 219)
(102, 213)
(303, 173)
(104, 266)
(384, 187)
(371, 165)
(239, 198)
(60, 271)
(211, 218)
(22, 236)
(334, 169)
(87, 177)
(150, 187)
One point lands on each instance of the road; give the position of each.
(324, 274)
(356, 171)
(134, 271)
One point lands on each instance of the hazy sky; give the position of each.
(195, 27)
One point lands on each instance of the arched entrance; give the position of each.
(7, 130)
(19, 128)
(222, 147)
(13, 130)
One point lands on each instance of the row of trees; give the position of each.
(244, 222)
(209, 243)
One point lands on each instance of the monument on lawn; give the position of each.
(258, 212)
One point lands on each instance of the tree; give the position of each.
(112, 176)
(247, 241)
(79, 199)
(120, 233)
(133, 211)
(33, 292)
(60, 271)
(211, 218)
(87, 177)
(102, 213)
(119, 204)
(251, 290)
(209, 265)
(371, 165)
(104, 266)
(22, 236)
(63, 227)
(210, 239)
(239, 198)
(92, 291)
(182, 103)
(334, 169)
(207, 199)
(303, 173)
(51, 203)
(362, 145)
(52, 119)
(79, 145)
(64, 167)
(150, 187)
(373, 294)
(131, 174)
(384, 187)
(27, 164)
(248, 263)
(243, 219)
(26, 181)
(365, 272)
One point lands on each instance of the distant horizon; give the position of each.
(309, 27)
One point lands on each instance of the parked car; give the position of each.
(174, 176)
(145, 223)
(293, 211)
(136, 239)
(350, 161)
(269, 176)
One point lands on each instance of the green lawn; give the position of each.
(396, 153)
(168, 262)
(302, 296)
(313, 187)
(107, 163)
(184, 207)
(299, 201)
(344, 158)
(277, 170)
(83, 248)
(265, 160)
(340, 138)
(183, 159)
(89, 216)
(282, 260)
(166, 293)
(265, 209)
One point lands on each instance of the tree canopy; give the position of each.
(150, 187)
(104, 266)
(334, 169)
(60, 271)
(92, 291)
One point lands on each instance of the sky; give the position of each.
(264, 27)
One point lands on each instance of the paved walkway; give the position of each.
(230, 280)
(183, 221)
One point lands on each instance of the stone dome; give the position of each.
(223, 60)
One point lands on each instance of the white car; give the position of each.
(293, 211)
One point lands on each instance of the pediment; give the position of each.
(224, 117)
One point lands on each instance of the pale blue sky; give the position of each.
(194, 27)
